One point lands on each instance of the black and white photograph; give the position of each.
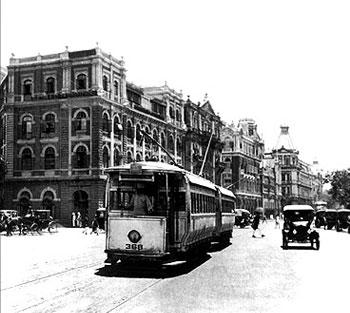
(162, 156)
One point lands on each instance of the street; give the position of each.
(65, 272)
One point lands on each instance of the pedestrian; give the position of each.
(74, 219)
(79, 223)
(85, 224)
(256, 224)
(277, 221)
(94, 226)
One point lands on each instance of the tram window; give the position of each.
(180, 201)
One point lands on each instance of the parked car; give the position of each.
(320, 218)
(297, 226)
(242, 218)
(331, 218)
(343, 220)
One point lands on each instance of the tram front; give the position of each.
(140, 200)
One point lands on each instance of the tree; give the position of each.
(340, 187)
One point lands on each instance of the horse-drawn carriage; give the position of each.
(38, 220)
(35, 221)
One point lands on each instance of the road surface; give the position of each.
(65, 272)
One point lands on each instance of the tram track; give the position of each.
(124, 300)
(51, 275)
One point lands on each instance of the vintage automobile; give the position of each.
(331, 218)
(320, 218)
(297, 226)
(343, 220)
(39, 220)
(242, 218)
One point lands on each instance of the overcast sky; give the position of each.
(278, 62)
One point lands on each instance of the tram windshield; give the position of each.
(138, 198)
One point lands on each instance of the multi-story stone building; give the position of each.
(271, 185)
(242, 154)
(65, 117)
(296, 175)
(202, 142)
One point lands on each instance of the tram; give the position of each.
(182, 212)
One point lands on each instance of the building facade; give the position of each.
(296, 175)
(66, 117)
(271, 190)
(242, 154)
(203, 144)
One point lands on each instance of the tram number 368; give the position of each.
(133, 246)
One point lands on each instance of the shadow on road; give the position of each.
(298, 248)
(217, 246)
(168, 270)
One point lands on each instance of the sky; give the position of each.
(278, 62)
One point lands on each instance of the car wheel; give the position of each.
(349, 230)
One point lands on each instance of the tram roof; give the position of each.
(166, 167)
(298, 207)
(226, 192)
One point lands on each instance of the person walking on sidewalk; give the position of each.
(256, 224)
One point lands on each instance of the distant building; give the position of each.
(242, 154)
(296, 175)
(271, 185)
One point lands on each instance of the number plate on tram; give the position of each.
(134, 246)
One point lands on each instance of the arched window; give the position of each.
(116, 88)
(82, 160)
(178, 116)
(27, 87)
(105, 83)
(162, 139)
(105, 123)
(147, 139)
(24, 202)
(195, 120)
(49, 158)
(47, 202)
(171, 112)
(138, 133)
(138, 157)
(178, 146)
(155, 137)
(49, 123)
(80, 121)
(27, 161)
(81, 82)
(171, 144)
(129, 157)
(27, 127)
(117, 157)
(129, 130)
(105, 157)
(118, 128)
(50, 85)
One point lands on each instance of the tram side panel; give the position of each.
(202, 217)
